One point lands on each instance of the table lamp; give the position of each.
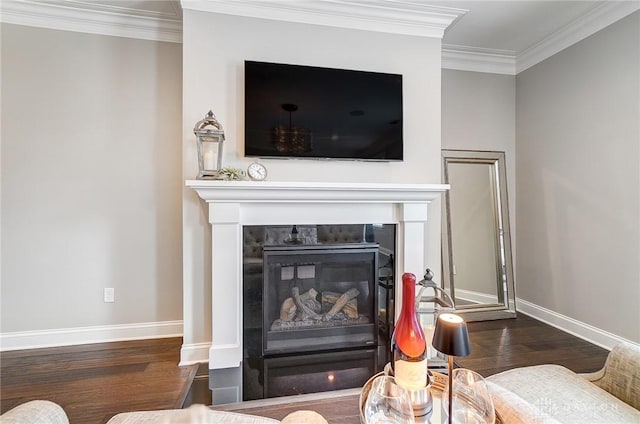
(451, 338)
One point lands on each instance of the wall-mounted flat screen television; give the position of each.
(294, 111)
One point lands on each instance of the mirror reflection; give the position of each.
(477, 265)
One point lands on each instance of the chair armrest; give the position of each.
(621, 374)
(35, 412)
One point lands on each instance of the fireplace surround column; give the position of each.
(233, 204)
(411, 243)
(226, 285)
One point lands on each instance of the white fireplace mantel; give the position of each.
(233, 204)
(269, 191)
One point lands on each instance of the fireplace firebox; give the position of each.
(319, 296)
(317, 306)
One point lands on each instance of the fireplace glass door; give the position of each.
(319, 297)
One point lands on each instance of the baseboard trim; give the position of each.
(476, 297)
(194, 353)
(85, 335)
(572, 326)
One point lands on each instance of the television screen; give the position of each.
(312, 112)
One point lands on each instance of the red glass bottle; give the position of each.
(408, 343)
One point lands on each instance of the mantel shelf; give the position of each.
(310, 192)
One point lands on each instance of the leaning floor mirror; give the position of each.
(476, 242)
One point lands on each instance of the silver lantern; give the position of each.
(210, 137)
(428, 307)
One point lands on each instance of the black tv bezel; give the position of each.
(325, 158)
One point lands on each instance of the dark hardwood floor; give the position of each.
(510, 343)
(94, 382)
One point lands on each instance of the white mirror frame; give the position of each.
(506, 306)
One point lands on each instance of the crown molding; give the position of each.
(593, 21)
(93, 18)
(491, 61)
(465, 58)
(389, 16)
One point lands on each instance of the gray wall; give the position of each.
(91, 180)
(478, 113)
(578, 190)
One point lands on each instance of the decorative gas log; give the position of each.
(304, 311)
(330, 299)
(341, 302)
(306, 308)
(288, 309)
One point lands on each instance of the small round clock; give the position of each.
(257, 171)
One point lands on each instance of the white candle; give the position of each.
(209, 160)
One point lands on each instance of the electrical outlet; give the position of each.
(109, 294)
